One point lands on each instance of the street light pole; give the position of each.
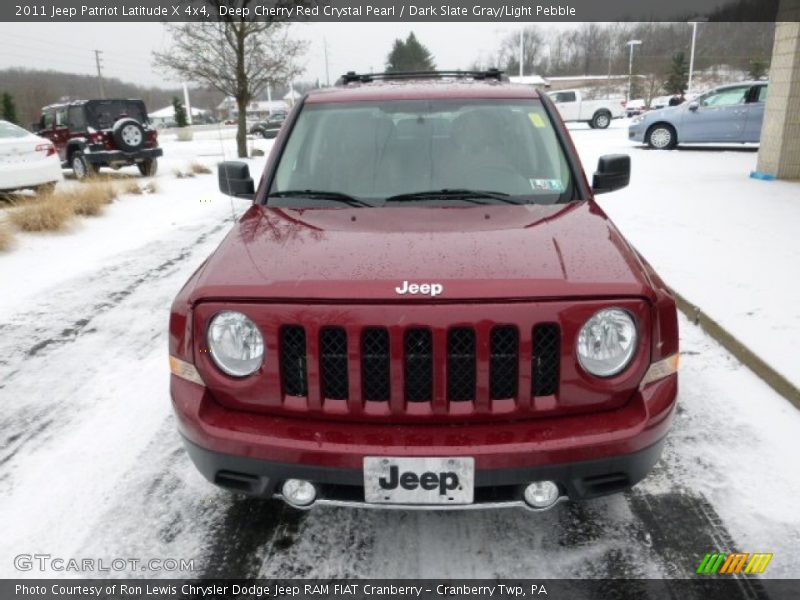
(521, 50)
(693, 23)
(631, 43)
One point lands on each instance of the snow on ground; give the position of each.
(91, 464)
(726, 242)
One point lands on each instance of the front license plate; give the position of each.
(438, 480)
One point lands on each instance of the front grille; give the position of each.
(419, 365)
(504, 362)
(293, 360)
(333, 352)
(546, 353)
(464, 367)
(375, 364)
(461, 364)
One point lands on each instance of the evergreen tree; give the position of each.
(758, 68)
(180, 112)
(409, 55)
(678, 75)
(9, 109)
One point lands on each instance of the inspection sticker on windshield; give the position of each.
(537, 120)
(547, 185)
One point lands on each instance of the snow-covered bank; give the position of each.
(726, 242)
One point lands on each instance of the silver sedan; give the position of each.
(727, 114)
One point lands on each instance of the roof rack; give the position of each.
(353, 77)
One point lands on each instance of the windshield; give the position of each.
(374, 151)
(102, 114)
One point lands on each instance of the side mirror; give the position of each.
(234, 180)
(613, 173)
(693, 106)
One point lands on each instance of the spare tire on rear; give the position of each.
(128, 134)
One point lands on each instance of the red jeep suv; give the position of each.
(424, 307)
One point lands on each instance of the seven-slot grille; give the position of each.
(460, 364)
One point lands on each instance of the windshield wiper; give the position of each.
(321, 194)
(459, 194)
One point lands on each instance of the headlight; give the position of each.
(607, 342)
(638, 119)
(236, 344)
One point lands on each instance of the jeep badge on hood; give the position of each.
(431, 289)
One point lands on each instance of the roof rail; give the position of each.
(353, 77)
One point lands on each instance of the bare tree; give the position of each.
(237, 58)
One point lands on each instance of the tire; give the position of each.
(148, 167)
(128, 135)
(81, 167)
(591, 124)
(601, 120)
(661, 136)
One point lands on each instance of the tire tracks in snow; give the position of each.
(32, 337)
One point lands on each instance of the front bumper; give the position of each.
(636, 132)
(587, 455)
(106, 157)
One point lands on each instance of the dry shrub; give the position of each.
(90, 200)
(6, 238)
(199, 168)
(131, 187)
(50, 214)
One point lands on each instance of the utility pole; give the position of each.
(521, 49)
(693, 23)
(100, 86)
(631, 43)
(327, 72)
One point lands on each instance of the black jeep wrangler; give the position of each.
(89, 134)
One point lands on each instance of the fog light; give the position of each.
(298, 492)
(541, 494)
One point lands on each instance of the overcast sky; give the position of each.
(127, 47)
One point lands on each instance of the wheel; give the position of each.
(45, 188)
(148, 167)
(82, 167)
(128, 134)
(591, 124)
(661, 137)
(601, 120)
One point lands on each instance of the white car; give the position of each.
(26, 160)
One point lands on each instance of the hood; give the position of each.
(422, 254)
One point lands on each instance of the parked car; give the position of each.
(26, 160)
(424, 307)
(572, 106)
(634, 108)
(270, 127)
(89, 134)
(727, 114)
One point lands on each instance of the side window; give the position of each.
(761, 93)
(561, 97)
(47, 120)
(77, 120)
(726, 97)
(61, 117)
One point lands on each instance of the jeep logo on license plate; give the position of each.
(419, 480)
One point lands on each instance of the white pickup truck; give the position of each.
(597, 113)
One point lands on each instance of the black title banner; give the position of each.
(396, 10)
(701, 588)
